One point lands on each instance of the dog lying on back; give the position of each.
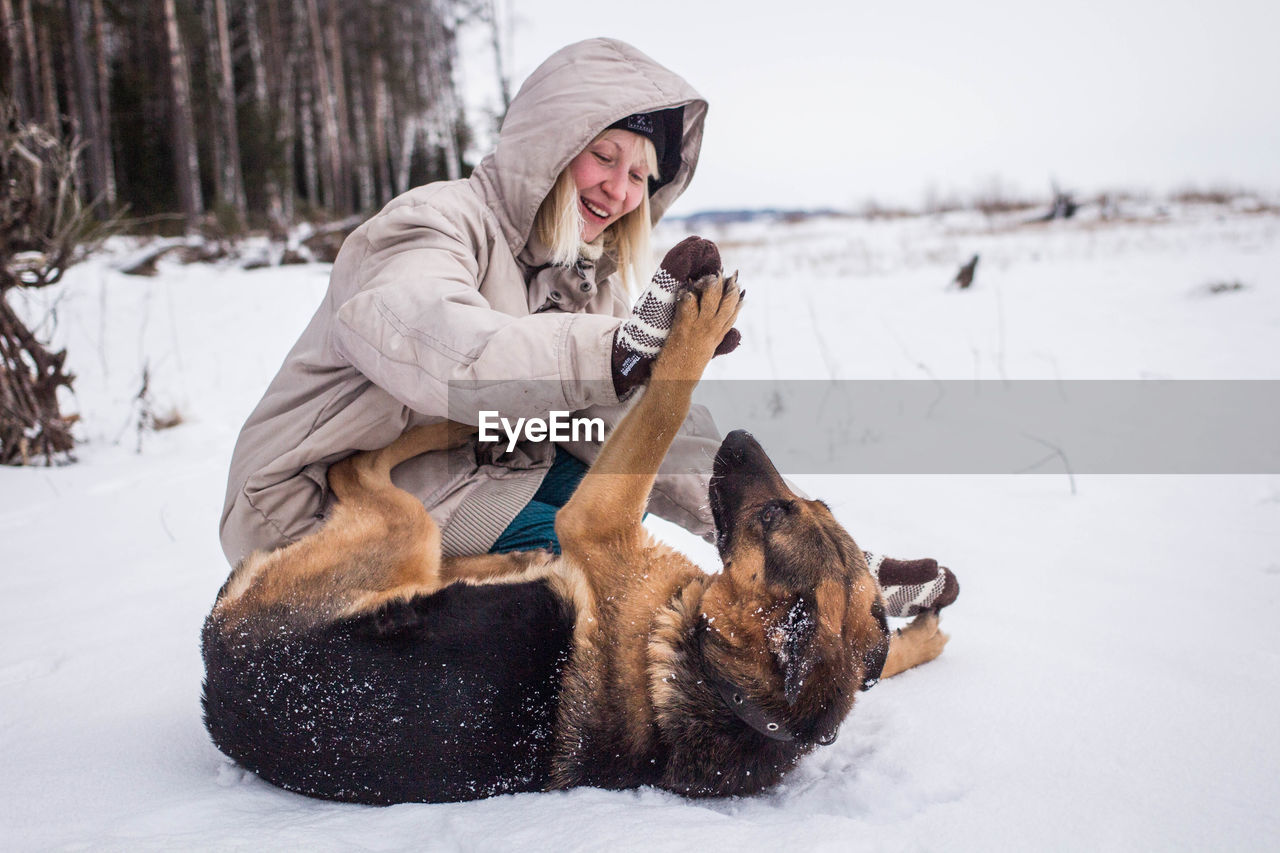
(359, 664)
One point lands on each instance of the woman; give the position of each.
(504, 291)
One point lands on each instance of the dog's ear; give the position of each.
(791, 640)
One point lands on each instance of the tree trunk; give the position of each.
(262, 104)
(48, 87)
(499, 40)
(408, 116)
(381, 118)
(285, 60)
(342, 117)
(86, 110)
(104, 103)
(364, 157)
(436, 87)
(331, 173)
(14, 84)
(307, 121)
(230, 181)
(186, 158)
(34, 90)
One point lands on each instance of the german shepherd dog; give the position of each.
(358, 664)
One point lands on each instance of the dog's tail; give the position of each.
(373, 467)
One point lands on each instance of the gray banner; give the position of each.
(994, 427)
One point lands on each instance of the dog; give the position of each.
(358, 664)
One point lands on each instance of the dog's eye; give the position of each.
(772, 514)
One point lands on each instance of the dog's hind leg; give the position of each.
(396, 542)
(378, 545)
(371, 471)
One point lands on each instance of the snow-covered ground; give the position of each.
(1114, 670)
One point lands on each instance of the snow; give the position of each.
(1114, 667)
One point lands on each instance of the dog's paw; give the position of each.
(701, 285)
(925, 637)
(733, 337)
(705, 314)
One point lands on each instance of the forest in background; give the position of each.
(204, 120)
(229, 115)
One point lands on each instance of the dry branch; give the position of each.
(44, 229)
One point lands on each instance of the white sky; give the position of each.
(830, 104)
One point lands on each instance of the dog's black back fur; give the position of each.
(446, 697)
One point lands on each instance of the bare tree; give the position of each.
(381, 120)
(87, 97)
(13, 84)
(186, 158)
(228, 179)
(48, 85)
(262, 105)
(103, 77)
(283, 53)
(324, 97)
(499, 38)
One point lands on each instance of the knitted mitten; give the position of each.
(912, 586)
(640, 338)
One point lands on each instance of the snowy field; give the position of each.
(1114, 669)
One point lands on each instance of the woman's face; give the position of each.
(612, 176)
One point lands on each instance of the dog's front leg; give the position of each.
(607, 507)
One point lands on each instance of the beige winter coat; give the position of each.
(441, 306)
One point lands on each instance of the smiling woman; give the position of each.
(505, 292)
(605, 189)
(612, 178)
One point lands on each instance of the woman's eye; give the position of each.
(606, 160)
(637, 177)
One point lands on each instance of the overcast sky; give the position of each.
(830, 104)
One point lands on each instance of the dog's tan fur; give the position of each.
(634, 599)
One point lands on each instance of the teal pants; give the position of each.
(535, 526)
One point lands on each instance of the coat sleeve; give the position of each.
(418, 327)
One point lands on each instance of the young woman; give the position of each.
(501, 292)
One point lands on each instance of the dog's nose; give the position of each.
(739, 443)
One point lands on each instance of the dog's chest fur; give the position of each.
(636, 709)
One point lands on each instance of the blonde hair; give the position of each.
(559, 224)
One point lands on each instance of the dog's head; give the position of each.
(794, 625)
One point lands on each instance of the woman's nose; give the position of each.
(615, 185)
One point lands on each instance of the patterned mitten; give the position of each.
(640, 338)
(912, 586)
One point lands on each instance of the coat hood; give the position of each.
(570, 98)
